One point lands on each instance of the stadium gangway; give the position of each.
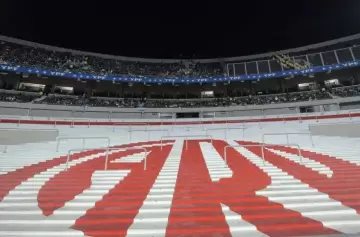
(186, 137)
(83, 140)
(107, 149)
(287, 136)
(147, 131)
(225, 130)
(11, 118)
(263, 146)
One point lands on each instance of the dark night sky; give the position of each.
(168, 29)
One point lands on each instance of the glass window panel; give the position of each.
(239, 69)
(329, 58)
(356, 51)
(251, 68)
(263, 67)
(230, 68)
(275, 66)
(344, 55)
(315, 60)
(301, 62)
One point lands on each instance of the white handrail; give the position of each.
(287, 136)
(321, 124)
(114, 124)
(292, 116)
(82, 138)
(148, 132)
(353, 112)
(107, 149)
(250, 145)
(186, 137)
(262, 149)
(225, 130)
(296, 145)
(11, 117)
(136, 123)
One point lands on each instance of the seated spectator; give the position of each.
(346, 91)
(16, 96)
(185, 103)
(27, 56)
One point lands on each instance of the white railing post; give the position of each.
(186, 139)
(287, 136)
(225, 130)
(289, 145)
(107, 149)
(81, 138)
(251, 145)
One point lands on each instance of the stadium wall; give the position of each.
(10, 136)
(60, 111)
(336, 130)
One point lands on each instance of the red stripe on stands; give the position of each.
(273, 222)
(62, 122)
(12, 179)
(121, 203)
(346, 175)
(188, 211)
(76, 179)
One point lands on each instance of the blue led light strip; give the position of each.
(46, 72)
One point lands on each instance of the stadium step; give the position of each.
(189, 191)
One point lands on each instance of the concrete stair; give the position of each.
(185, 191)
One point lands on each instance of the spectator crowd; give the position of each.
(27, 56)
(185, 103)
(53, 99)
(347, 91)
(17, 97)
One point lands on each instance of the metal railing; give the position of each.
(296, 145)
(147, 131)
(353, 112)
(263, 146)
(115, 124)
(250, 145)
(137, 124)
(81, 138)
(107, 149)
(337, 123)
(287, 136)
(226, 130)
(12, 118)
(186, 137)
(298, 116)
(74, 121)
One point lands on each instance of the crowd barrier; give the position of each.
(75, 122)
